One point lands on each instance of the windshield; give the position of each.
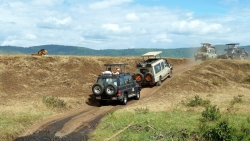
(106, 81)
(203, 49)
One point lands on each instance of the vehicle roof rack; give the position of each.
(118, 64)
(152, 54)
(233, 44)
(205, 43)
(109, 66)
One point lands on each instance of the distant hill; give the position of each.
(83, 51)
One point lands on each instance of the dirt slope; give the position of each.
(219, 81)
(29, 78)
(26, 77)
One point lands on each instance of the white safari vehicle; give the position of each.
(153, 69)
(205, 52)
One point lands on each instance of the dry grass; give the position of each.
(25, 80)
(218, 81)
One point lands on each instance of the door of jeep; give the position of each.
(129, 84)
(124, 85)
(164, 68)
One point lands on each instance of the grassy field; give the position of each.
(176, 124)
(208, 102)
(65, 81)
(34, 88)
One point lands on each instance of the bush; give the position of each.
(54, 102)
(237, 99)
(198, 102)
(211, 113)
(141, 110)
(216, 82)
(221, 132)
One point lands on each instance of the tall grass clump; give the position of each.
(211, 113)
(236, 99)
(54, 102)
(197, 101)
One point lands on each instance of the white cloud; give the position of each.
(118, 24)
(196, 27)
(53, 22)
(116, 28)
(107, 3)
(30, 36)
(46, 2)
(161, 38)
(132, 17)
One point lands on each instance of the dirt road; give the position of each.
(76, 124)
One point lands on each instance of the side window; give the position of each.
(126, 79)
(130, 79)
(157, 68)
(121, 79)
(162, 65)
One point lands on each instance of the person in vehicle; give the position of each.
(116, 72)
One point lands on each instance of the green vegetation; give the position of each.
(141, 124)
(211, 113)
(174, 125)
(54, 102)
(236, 99)
(216, 82)
(73, 50)
(197, 101)
(11, 123)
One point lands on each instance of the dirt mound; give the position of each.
(211, 76)
(26, 77)
(179, 61)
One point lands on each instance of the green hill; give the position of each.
(83, 51)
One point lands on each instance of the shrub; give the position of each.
(247, 79)
(237, 99)
(54, 102)
(198, 102)
(220, 132)
(211, 113)
(216, 82)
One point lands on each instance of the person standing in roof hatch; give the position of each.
(116, 72)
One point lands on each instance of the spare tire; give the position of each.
(111, 89)
(139, 77)
(148, 76)
(97, 89)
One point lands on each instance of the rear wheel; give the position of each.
(170, 74)
(137, 97)
(97, 89)
(139, 77)
(111, 89)
(159, 82)
(125, 99)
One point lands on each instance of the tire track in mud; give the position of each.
(77, 124)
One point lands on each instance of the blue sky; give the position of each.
(121, 24)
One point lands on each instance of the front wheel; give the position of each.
(242, 57)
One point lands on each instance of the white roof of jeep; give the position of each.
(152, 54)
